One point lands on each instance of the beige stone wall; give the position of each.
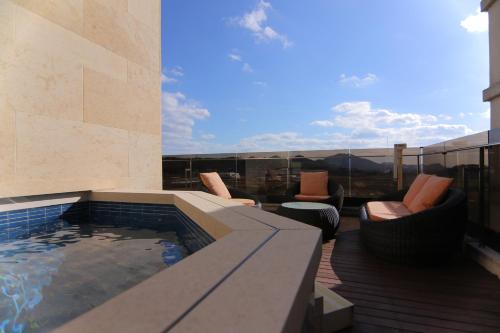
(80, 95)
(493, 92)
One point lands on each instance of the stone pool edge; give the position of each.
(257, 276)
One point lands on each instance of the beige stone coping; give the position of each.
(35, 201)
(486, 4)
(258, 276)
(491, 93)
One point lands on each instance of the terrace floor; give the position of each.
(458, 297)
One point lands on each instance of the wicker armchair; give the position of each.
(428, 237)
(235, 193)
(336, 192)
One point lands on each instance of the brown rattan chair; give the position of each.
(428, 237)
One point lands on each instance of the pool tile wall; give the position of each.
(144, 215)
(17, 224)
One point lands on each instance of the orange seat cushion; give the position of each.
(314, 183)
(303, 197)
(246, 202)
(215, 184)
(415, 187)
(386, 210)
(432, 192)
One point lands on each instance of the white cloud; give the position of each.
(461, 115)
(167, 79)
(281, 141)
(365, 126)
(323, 123)
(445, 117)
(247, 68)
(234, 57)
(207, 136)
(477, 22)
(179, 117)
(353, 125)
(486, 114)
(170, 76)
(358, 82)
(361, 114)
(177, 71)
(260, 83)
(358, 138)
(255, 21)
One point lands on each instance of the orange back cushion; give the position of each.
(215, 184)
(431, 193)
(415, 187)
(314, 183)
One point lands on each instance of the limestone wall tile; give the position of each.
(121, 33)
(20, 186)
(142, 183)
(145, 159)
(119, 6)
(67, 13)
(6, 22)
(48, 149)
(148, 12)
(143, 77)
(46, 36)
(119, 104)
(7, 141)
(495, 113)
(494, 38)
(68, 98)
(40, 82)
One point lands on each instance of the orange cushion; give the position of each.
(303, 197)
(246, 202)
(431, 193)
(314, 183)
(415, 187)
(386, 210)
(215, 184)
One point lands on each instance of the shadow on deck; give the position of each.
(457, 297)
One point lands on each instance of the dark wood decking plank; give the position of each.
(424, 320)
(400, 325)
(441, 314)
(480, 316)
(458, 297)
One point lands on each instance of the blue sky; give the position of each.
(322, 74)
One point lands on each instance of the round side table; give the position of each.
(319, 215)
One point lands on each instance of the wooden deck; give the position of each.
(457, 297)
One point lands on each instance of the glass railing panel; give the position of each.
(434, 164)
(336, 162)
(226, 167)
(266, 178)
(371, 176)
(464, 167)
(410, 169)
(494, 188)
(317, 153)
(372, 152)
(494, 136)
(261, 155)
(474, 140)
(176, 174)
(434, 149)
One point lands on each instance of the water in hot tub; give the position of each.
(61, 270)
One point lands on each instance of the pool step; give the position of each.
(337, 311)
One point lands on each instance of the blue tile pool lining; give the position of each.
(16, 224)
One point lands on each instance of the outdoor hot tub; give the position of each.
(152, 261)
